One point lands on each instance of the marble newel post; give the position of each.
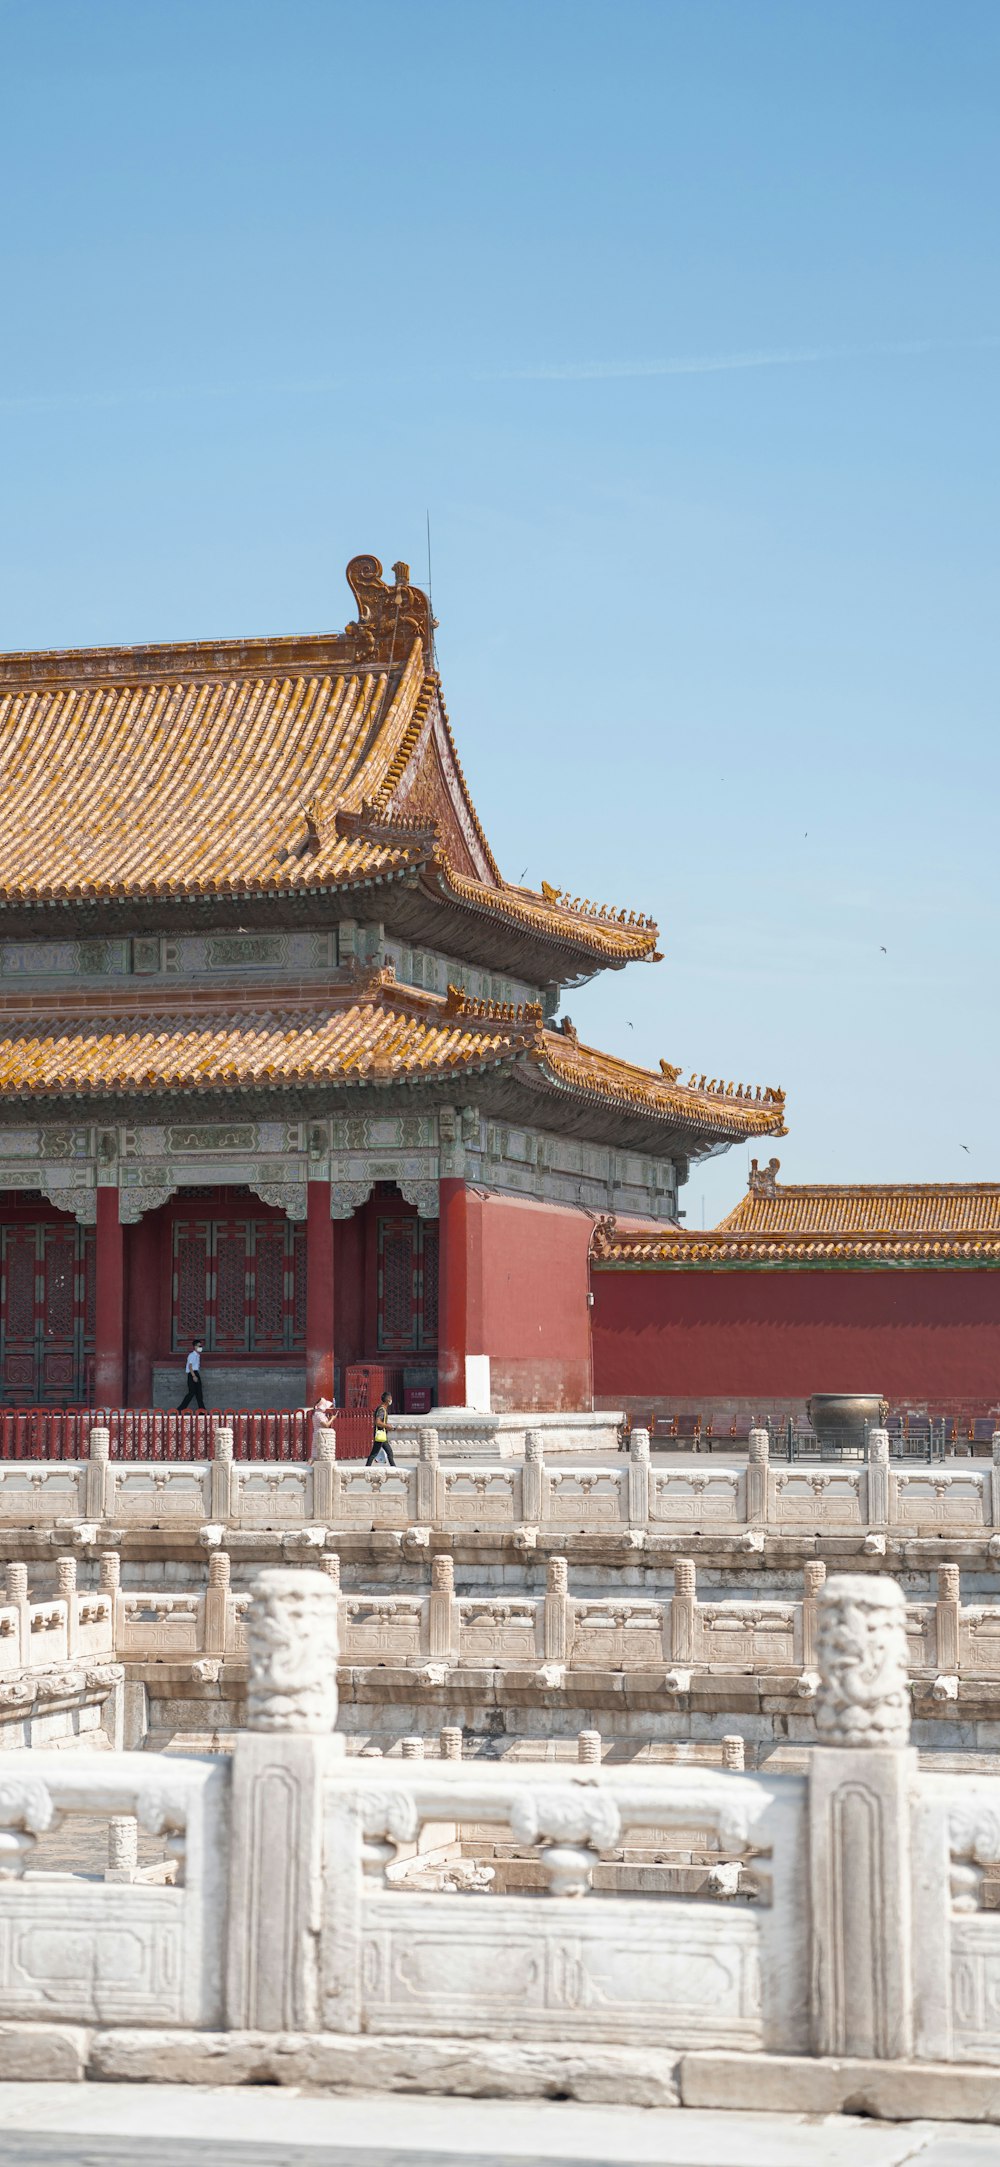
(860, 1783)
(278, 1767)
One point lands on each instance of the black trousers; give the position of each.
(376, 1449)
(194, 1391)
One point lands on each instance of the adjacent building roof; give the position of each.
(241, 769)
(363, 1029)
(880, 1209)
(851, 1223)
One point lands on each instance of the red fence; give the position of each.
(154, 1433)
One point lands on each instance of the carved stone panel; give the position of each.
(278, 1498)
(622, 1972)
(617, 1636)
(146, 1495)
(813, 1496)
(734, 1637)
(940, 1500)
(693, 1499)
(379, 1498)
(975, 1988)
(581, 1500)
(92, 1954)
(380, 1631)
(494, 1633)
(484, 1498)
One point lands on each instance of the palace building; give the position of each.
(281, 1063)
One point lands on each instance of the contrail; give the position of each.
(778, 357)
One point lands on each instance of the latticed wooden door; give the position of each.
(239, 1285)
(407, 1285)
(47, 1294)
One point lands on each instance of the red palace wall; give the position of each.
(924, 1338)
(527, 1300)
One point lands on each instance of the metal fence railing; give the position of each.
(154, 1433)
(911, 1437)
(925, 1442)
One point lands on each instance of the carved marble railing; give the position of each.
(287, 1913)
(57, 1666)
(667, 1643)
(634, 1500)
(72, 1624)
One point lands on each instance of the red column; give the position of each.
(109, 1325)
(319, 1293)
(453, 1291)
(144, 1254)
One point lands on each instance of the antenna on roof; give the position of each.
(430, 593)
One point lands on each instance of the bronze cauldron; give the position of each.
(844, 1417)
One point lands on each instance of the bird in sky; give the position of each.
(966, 1148)
(631, 1025)
(523, 874)
(885, 951)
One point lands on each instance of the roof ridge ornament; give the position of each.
(527, 1015)
(389, 619)
(363, 974)
(584, 908)
(764, 1180)
(770, 1095)
(605, 1235)
(407, 829)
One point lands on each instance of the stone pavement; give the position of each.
(95, 2125)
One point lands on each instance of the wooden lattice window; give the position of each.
(47, 1302)
(270, 1269)
(20, 1253)
(192, 1288)
(239, 1285)
(429, 1308)
(407, 1285)
(298, 1292)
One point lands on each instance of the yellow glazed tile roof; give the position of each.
(876, 1209)
(259, 767)
(837, 1223)
(601, 1076)
(211, 1049)
(563, 1064)
(365, 1029)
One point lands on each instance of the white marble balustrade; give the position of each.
(632, 1499)
(668, 1641)
(73, 1622)
(287, 1915)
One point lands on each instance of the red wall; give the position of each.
(527, 1301)
(918, 1336)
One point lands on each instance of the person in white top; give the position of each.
(192, 1372)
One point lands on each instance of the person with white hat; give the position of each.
(322, 1419)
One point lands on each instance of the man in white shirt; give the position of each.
(192, 1372)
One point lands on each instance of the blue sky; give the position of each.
(681, 319)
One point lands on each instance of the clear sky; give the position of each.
(680, 317)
